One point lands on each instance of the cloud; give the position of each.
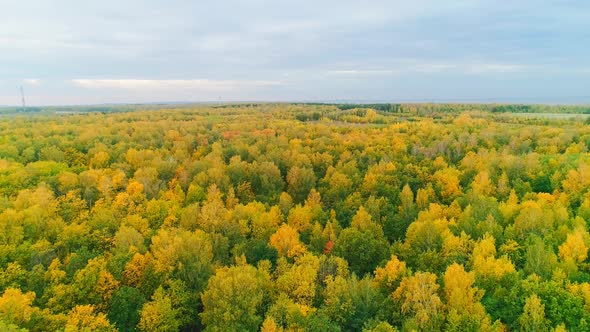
(406, 66)
(434, 67)
(486, 68)
(304, 49)
(159, 84)
(32, 81)
(361, 72)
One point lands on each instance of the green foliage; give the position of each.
(128, 302)
(233, 299)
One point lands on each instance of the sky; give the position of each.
(66, 52)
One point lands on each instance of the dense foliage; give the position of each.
(294, 218)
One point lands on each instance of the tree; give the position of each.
(364, 247)
(419, 297)
(125, 306)
(533, 317)
(184, 255)
(300, 218)
(286, 241)
(388, 277)
(574, 248)
(299, 281)
(539, 258)
(484, 260)
(447, 183)
(83, 319)
(267, 181)
(234, 298)
(159, 314)
(94, 285)
(352, 302)
(299, 182)
(380, 327)
(15, 307)
(483, 185)
(465, 312)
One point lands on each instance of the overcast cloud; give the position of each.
(86, 52)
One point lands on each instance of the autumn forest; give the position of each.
(296, 217)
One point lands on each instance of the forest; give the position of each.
(295, 217)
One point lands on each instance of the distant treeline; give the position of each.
(395, 108)
(411, 108)
(584, 109)
(20, 110)
(446, 108)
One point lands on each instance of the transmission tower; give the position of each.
(22, 95)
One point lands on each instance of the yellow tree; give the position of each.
(300, 218)
(406, 198)
(15, 307)
(463, 301)
(184, 255)
(299, 281)
(447, 183)
(484, 259)
(286, 241)
(83, 319)
(482, 184)
(574, 248)
(419, 297)
(388, 277)
(424, 196)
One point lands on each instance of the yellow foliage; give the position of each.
(456, 246)
(362, 220)
(83, 319)
(460, 293)
(418, 294)
(286, 241)
(134, 188)
(134, 270)
(299, 282)
(105, 287)
(482, 184)
(54, 273)
(300, 218)
(269, 325)
(424, 196)
(15, 306)
(486, 247)
(486, 264)
(448, 182)
(582, 289)
(392, 272)
(574, 247)
(510, 208)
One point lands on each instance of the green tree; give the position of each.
(234, 299)
(125, 307)
(363, 245)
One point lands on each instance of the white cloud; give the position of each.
(408, 66)
(157, 84)
(434, 67)
(361, 72)
(32, 81)
(485, 68)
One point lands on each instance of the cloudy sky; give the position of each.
(88, 52)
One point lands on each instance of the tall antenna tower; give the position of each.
(22, 95)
